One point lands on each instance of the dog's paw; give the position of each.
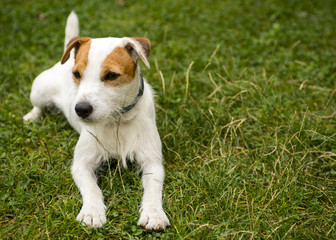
(33, 115)
(153, 219)
(92, 215)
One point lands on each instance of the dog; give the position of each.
(99, 87)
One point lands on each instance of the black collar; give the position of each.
(138, 96)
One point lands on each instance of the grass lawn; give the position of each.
(246, 109)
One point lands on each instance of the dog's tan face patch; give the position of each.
(118, 68)
(81, 61)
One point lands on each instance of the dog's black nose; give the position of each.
(83, 109)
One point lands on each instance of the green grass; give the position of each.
(246, 98)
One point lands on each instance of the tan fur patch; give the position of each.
(81, 60)
(120, 62)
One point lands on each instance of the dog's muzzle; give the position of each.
(83, 109)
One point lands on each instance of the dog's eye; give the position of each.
(76, 75)
(111, 76)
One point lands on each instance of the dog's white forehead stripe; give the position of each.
(100, 49)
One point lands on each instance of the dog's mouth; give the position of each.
(94, 119)
(88, 120)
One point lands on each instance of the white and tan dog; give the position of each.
(99, 87)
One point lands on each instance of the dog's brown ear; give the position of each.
(74, 43)
(139, 47)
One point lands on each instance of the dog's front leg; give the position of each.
(86, 160)
(152, 216)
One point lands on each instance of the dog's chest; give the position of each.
(116, 140)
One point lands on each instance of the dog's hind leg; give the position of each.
(44, 91)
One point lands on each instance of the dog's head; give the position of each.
(106, 73)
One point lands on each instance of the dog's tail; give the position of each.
(71, 28)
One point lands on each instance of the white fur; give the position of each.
(71, 29)
(132, 135)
